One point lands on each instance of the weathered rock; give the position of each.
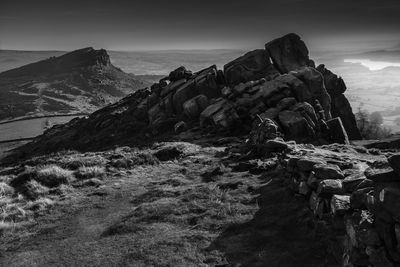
(315, 85)
(389, 198)
(394, 162)
(221, 114)
(180, 73)
(203, 82)
(307, 164)
(288, 53)
(304, 189)
(264, 131)
(351, 182)
(387, 233)
(271, 113)
(330, 187)
(337, 132)
(357, 226)
(359, 198)
(324, 172)
(193, 107)
(286, 103)
(180, 127)
(377, 257)
(296, 126)
(253, 65)
(312, 181)
(340, 204)
(340, 105)
(382, 175)
(274, 145)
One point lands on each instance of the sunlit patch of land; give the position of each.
(373, 65)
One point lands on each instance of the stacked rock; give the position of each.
(358, 205)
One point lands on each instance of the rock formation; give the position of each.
(279, 83)
(77, 82)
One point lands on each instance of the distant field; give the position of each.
(29, 128)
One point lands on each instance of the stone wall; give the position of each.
(354, 198)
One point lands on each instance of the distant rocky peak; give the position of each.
(86, 57)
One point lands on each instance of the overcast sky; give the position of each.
(192, 24)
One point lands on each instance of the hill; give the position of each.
(257, 170)
(77, 82)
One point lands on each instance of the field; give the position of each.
(30, 128)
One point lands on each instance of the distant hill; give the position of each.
(80, 81)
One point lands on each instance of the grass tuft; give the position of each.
(84, 172)
(53, 175)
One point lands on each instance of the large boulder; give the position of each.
(193, 107)
(288, 53)
(203, 82)
(314, 82)
(253, 65)
(337, 133)
(340, 106)
(221, 114)
(296, 126)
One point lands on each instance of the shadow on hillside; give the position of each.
(278, 234)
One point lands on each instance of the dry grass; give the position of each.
(53, 175)
(74, 162)
(33, 190)
(132, 159)
(84, 172)
(5, 190)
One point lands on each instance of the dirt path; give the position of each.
(171, 215)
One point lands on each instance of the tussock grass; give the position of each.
(39, 204)
(133, 159)
(5, 190)
(53, 175)
(33, 190)
(84, 172)
(74, 162)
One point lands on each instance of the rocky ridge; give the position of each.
(293, 126)
(80, 81)
(278, 83)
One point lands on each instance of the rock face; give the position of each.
(288, 53)
(278, 83)
(252, 66)
(80, 81)
(340, 105)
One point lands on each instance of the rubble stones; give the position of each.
(323, 171)
(307, 164)
(330, 187)
(382, 175)
(394, 162)
(340, 204)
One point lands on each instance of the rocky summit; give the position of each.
(279, 83)
(252, 165)
(77, 82)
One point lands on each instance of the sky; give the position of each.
(208, 24)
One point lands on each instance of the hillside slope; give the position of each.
(80, 81)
